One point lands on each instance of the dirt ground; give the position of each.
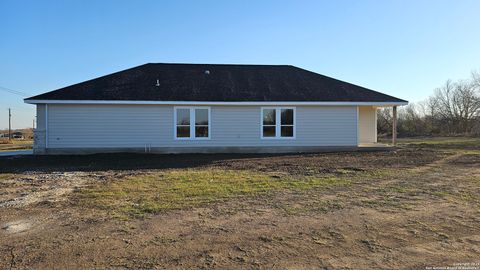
(413, 208)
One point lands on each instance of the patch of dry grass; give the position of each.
(6, 176)
(6, 145)
(140, 195)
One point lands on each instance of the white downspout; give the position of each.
(358, 126)
(376, 127)
(46, 126)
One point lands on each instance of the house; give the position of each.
(186, 108)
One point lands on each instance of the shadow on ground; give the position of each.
(301, 163)
(117, 161)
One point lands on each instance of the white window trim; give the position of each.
(278, 123)
(192, 124)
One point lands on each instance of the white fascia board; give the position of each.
(233, 103)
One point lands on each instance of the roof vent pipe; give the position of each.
(158, 83)
(207, 72)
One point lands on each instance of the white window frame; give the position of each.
(192, 123)
(278, 123)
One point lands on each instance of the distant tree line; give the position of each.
(453, 109)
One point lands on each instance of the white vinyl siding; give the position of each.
(105, 126)
(84, 126)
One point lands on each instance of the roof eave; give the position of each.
(235, 103)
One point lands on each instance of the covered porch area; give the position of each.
(367, 128)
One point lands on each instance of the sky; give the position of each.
(402, 48)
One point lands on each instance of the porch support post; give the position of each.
(394, 126)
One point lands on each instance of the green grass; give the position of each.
(432, 141)
(463, 141)
(141, 195)
(463, 145)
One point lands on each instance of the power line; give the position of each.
(15, 92)
(11, 91)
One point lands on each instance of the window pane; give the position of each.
(269, 117)
(183, 132)
(183, 116)
(201, 132)
(201, 116)
(269, 131)
(287, 117)
(287, 131)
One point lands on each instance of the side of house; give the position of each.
(85, 128)
(207, 108)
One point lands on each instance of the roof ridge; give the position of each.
(221, 64)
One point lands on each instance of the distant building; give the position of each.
(17, 135)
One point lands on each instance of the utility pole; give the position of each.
(9, 124)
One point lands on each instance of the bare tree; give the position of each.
(412, 123)
(384, 121)
(476, 85)
(457, 104)
(429, 112)
(443, 100)
(454, 108)
(476, 79)
(467, 102)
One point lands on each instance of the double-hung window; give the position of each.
(278, 123)
(192, 123)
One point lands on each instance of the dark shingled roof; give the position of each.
(208, 82)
